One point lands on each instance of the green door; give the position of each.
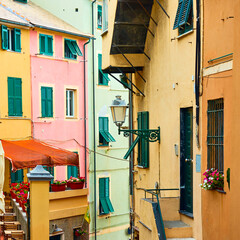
(186, 160)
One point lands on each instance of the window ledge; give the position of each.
(221, 191)
(184, 34)
(104, 32)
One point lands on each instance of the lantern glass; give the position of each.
(118, 114)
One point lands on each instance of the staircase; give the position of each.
(167, 218)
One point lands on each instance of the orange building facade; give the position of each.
(219, 123)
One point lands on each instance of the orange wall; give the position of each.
(218, 35)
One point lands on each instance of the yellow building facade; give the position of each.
(162, 68)
(15, 65)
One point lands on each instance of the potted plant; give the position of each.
(79, 232)
(58, 186)
(76, 183)
(213, 180)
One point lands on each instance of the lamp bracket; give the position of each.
(150, 135)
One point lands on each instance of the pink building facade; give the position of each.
(57, 77)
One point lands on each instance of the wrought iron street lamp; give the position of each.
(118, 110)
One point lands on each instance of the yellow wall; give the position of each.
(39, 211)
(172, 63)
(14, 64)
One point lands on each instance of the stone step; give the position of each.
(177, 229)
(170, 208)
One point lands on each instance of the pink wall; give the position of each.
(58, 72)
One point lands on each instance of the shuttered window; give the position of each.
(215, 137)
(16, 177)
(99, 17)
(47, 101)
(71, 49)
(46, 44)
(23, 1)
(72, 171)
(70, 103)
(105, 205)
(11, 39)
(104, 135)
(184, 16)
(143, 145)
(102, 77)
(14, 96)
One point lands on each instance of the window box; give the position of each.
(76, 185)
(214, 180)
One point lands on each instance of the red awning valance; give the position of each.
(30, 153)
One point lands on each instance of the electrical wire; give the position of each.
(82, 146)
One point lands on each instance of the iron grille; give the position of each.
(215, 141)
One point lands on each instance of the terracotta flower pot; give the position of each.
(58, 187)
(13, 195)
(76, 185)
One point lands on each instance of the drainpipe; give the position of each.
(94, 129)
(85, 109)
(131, 165)
(197, 68)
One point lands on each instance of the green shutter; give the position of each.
(14, 96)
(17, 40)
(16, 177)
(143, 146)
(42, 47)
(99, 23)
(49, 40)
(102, 197)
(72, 171)
(103, 130)
(102, 77)
(77, 49)
(71, 47)
(107, 195)
(43, 101)
(178, 14)
(18, 97)
(11, 96)
(4, 37)
(49, 102)
(186, 7)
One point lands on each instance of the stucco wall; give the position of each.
(218, 39)
(14, 64)
(58, 73)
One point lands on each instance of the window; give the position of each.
(102, 77)
(23, 1)
(47, 101)
(71, 49)
(105, 15)
(143, 145)
(72, 171)
(46, 44)
(215, 142)
(11, 39)
(14, 96)
(70, 103)
(99, 17)
(184, 16)
(16, 177)
(105, 205)
(50, 170)
(104, 136)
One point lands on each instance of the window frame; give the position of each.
(105, 16)
(11, 39)
(215, 132)
(47, 113)
(105, 205)
(99, 13)
(46, 45)
(68, 107)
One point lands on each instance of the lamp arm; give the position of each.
(151, 135)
